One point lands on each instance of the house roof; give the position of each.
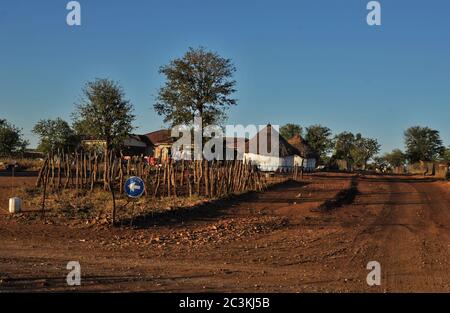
(285, 149)
(161, 136)
(294, 146)
(299, 143)
(142, 138)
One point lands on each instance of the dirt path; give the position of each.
(410, 237)
(274, 241)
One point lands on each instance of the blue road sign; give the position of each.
(134, 187)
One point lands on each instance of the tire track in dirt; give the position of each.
(435, 238)
(400, 222)
(401, 238)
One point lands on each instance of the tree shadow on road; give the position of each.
(205, 211)
(344, 197)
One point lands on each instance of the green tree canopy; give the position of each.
(343, 144)
(198, 84)
(446, 155)
(55, 134)
(422, 144)
(396, 158)
(363, 150)
(355, 149)
(103, 113)
(12, 142)
(290, 130)
(319, 139)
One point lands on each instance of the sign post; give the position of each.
(134, 188)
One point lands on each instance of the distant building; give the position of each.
(288, 155)
(33, 154)
(137, 145)
(306, 153)
(93, 144)
(160, 144)
(132, 145)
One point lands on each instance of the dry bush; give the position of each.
(91, 207)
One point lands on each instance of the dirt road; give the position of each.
(316, 235)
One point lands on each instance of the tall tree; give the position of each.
(103, 113)
(290, 130)
(319, 139)
(55, 134)
(363, 149)
(422, 144)
(198, 84)
(12, 142)
(396, 158)
(343, 144)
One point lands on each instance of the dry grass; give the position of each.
(88, 207)
(73, 206)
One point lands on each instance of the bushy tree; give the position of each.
(396, 158)
(319, 140)
(12, 142)
(355, 149)
(343, 144)
(290, 130)
(55, 134)
(198, 84)
(422, 144)
(363, 150)
(446, 155)
(103, 113)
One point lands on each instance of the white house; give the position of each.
(284, 158)
(306, 154)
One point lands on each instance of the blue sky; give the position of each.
(304, 62)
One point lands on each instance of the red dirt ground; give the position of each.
(282, 240)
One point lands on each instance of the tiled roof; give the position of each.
(161, 136)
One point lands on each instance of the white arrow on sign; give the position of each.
(134, 187)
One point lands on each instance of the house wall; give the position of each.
(271, 163)
(162, 152)
(310, 164)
